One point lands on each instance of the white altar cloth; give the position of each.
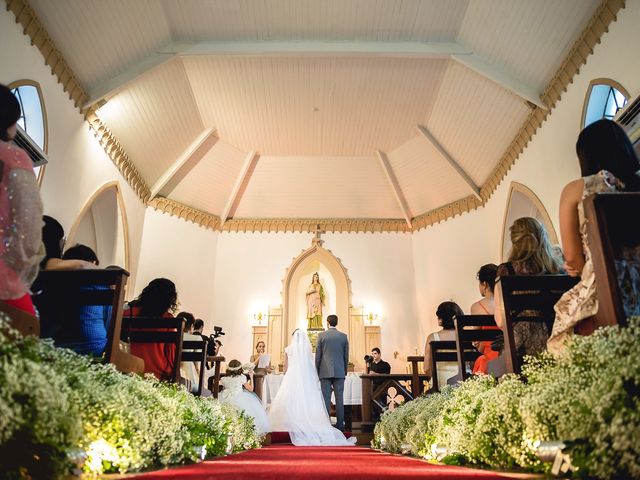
(352, 389)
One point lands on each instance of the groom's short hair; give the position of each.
(332, 320)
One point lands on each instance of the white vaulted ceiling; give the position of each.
(340, 109)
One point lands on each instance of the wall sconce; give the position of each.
(372, 317)
(258, 317)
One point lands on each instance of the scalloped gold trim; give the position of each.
(582, 48)
(33, 28)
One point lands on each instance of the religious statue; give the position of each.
(315, 301)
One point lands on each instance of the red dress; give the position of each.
(159, 358)
(482, 362)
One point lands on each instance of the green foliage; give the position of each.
(589, 398)
(57, 407)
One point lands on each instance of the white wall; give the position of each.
(77, 164)
(447, 256)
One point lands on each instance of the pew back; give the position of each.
(528, 298)
(613, 234)
(469, 329)
(196, 351)
(442, 351)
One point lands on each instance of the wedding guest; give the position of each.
(198, 326)
(445, 313)
(189, 320)
(531, 254)
(255, 358)
(20, 212)
(377, 365)
(608, 163)
(53, 240)
(237, 392)
(485, 306)
(158, 299)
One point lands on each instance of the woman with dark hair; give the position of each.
(53, 240)
(608, 163)
(20, 212)
(485, 306)
(531, 254)
(445, 313)
(158, 299)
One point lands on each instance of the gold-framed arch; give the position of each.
(113, 185)
(599, 81)
(281, 326)
(45, 125)
(537, 211)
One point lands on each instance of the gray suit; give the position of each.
(332, 356)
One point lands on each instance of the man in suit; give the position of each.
(332, 356)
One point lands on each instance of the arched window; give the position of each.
(34, 117)
(604, 98)
(522, 202)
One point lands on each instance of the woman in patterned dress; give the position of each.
(608, 163)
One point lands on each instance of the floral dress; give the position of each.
(581, 301)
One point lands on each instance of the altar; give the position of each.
(352, 389)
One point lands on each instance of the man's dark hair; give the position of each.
(198, 325)
(189, 320)
(81, 252)
(376, 349)
(446, 311)
(52, 235)
(9, 111)
(332, 320)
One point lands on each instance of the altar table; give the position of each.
(352, 389)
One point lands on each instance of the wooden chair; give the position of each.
(156, 330)
(445, 351)
(612, 225)
(468, 330)
(196, 351)
(59, 295)
(214, 380)
(20, 320)
(528, 298)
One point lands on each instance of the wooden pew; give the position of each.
(214, 380)
(20, 320)
(156, 330)
(196, 351)
(469, 330)
(528, 298)
(59, 295)
(612, 225)
(444, 351)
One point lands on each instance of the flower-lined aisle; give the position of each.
(589, 399)
(60, 411)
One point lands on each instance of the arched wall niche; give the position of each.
(523, 202)
(596, 83)
(44, 144)
(335, 280)
(102, 225)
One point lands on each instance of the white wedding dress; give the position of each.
(298, 407)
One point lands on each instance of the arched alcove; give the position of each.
(33, 119)
(522, 202)
(604, 98)
(337, 285)
(102, 225)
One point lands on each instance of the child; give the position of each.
(237, 392)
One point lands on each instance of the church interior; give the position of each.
(280, 161)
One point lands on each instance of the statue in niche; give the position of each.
(315, 301)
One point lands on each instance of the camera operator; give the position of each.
(375, 364)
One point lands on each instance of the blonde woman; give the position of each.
(531, 254)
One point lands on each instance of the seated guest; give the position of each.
(377, 365)
(486, 281)
(158, 299)
(255, 358)
(53, 240)
(90, 338)
(198, 326)
(189, 320)
(531, 254)
(20, 212)
(445, 313)
(608, 163)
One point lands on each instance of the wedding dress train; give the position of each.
(298, 407)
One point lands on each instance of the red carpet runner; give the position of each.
(293, 463)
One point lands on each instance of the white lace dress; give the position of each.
(236, 395)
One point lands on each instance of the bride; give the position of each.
(298, 407)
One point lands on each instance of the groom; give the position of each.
(332, 356)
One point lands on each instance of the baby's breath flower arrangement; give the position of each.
(589, 399)
(55, 403)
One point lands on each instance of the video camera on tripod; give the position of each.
(212, 348)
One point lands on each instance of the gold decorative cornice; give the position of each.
(118, 156)
(582, 48)
(204, 219)
(33, 28)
